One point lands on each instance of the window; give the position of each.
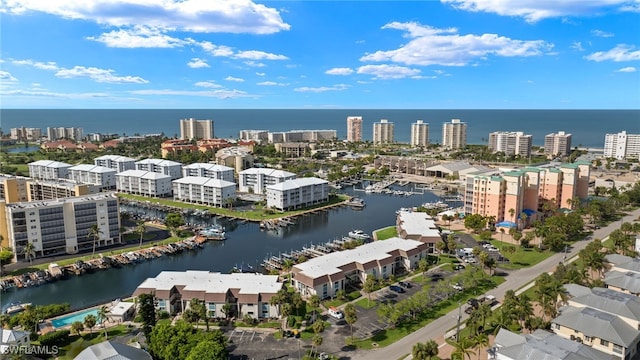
(618, 349)
(557, 326)
(604, 343)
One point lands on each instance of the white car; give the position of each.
(470, 260)
(493, 249)
(335, 313)
(457, 286)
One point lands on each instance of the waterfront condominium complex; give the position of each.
(101, 176)
(328, 274)
(622, 146)
(454, 134)
(248, 293)
(419, 133)
(255, 135)
(116, 162)
(61, 226)
(213, 171)
(196, 129)
(301, 135)
(161, 166)
(71, 133)
(510, 143)
(507, 195)
(22, 189)
(255, 180)
(237, 157)
(557, 144)
(23, 133)
(141, 182)
(48, 170)
(297, 193)
(204, 190)
(354, 128)
(383, 132)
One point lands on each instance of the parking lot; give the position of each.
(250, 344)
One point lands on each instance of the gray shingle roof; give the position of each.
(612, 302)
(628, 281)
(543, 345)
(108, 350)
(598, 324)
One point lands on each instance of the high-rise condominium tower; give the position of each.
(383, 132)
(419, 133)
(622, 145)
(557, 144)
(354, 128)
(510, 143)
(454, 134)
(196, 129)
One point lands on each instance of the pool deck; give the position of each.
(47, 325)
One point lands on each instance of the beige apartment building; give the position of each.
(454, 134)
(383, 132)
(419, 134)
(354, 128)
(507, 195)
(196, 129)
(557, 144)
(510, 143)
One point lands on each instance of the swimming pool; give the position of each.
(71, 318)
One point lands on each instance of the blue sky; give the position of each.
(467, 54)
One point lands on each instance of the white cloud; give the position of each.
(388, 71)
(251, 56)
(54, 94)
(6, 76)
(628, 69)
(231, 78)
(258, 55)
(220, 94)
(600, 33)
(261, 74)
(577, 46)
(208, 84)
(621, 52)
(37, 64)
(338, 87)
(535, 10)
(271, 83)
(139, 37)
(254, 64)
(216, 50)
(197, 63)
(432, 46)
(231, 16)
(339, 71)
(99, 75)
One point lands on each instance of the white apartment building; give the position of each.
(301, 135)
(622, 146)
(510, 143)
(116, 162)
(71, 133)
(94, 175)
(204, 190)
(354, 128)
(419, 133)
(557, 144)
(23, 133)
(161, 166)
(454, 134)
(249, 294)
(62, 226)
(48, 170)
(255, 135)
(213, 171)
(297, 193)
(255, 180)
(141, 182)
(196, 129)
(383, 132)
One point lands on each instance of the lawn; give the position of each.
(366, 304)
(386, 233)
(522, 257)
(79, 343)
(337, 302)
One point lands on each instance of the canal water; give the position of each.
(245, 244)
(23, 149)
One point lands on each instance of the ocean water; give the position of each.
(587, 126)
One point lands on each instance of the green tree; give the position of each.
(314, 303)
(77, 327)
(141, 229)
(419, 351)
(29, 251)
(147, 311)
(173, 222)
(103, 315)
(423, 266)
(208, 350)
(90, 321)
(200, 309)
(475, 222)
(316, 341)
(350, 316)
(480, 341)
(94, 232)
(461, 348)
(6, 257)
(369, 286)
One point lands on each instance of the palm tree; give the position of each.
(431, 349)
(103, 315)
(94, 232)
(481, 341)
(419, 351)
(90, 321)
(140, 230)
(29, 251)
(316, 341)
(462, 348)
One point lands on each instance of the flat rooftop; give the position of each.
(214, 282)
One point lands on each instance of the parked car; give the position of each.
(335, 313)
(457, 286)
(458, 267)
(405, 284)
(437, 277)
(492, 249)
(396, 288)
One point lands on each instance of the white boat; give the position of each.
(16, 308)
(214, 233)
(435, 205)
(359, 235)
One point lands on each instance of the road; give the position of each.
(514, 281)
